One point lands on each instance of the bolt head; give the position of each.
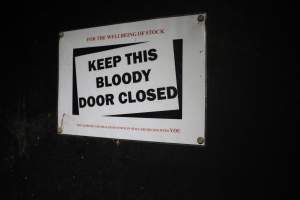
(200, 18)
(61, 34)
(200, 140)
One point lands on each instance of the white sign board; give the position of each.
(138, 81)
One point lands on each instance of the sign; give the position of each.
(136, 81)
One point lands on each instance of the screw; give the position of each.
(200, 140)
(61, 34)
(200, 18)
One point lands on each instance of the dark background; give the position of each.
(245, 158)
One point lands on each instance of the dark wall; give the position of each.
(242, 159)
